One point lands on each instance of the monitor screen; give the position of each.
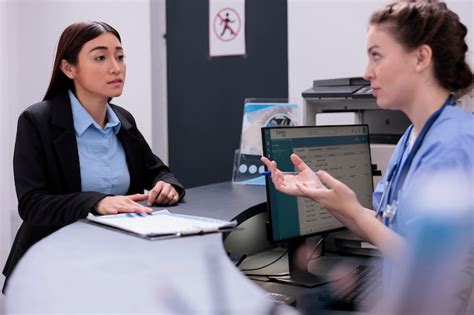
(343, 151)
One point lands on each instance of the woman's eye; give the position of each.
(121, 57)
(375, 56)
(100, 58)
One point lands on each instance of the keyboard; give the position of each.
(360, 290)
(282, 298)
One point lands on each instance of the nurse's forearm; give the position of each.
(351, 223)
(388, 242)
(363, 222)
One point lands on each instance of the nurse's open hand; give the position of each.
(287, 183)
(321, 187)
(336, 196)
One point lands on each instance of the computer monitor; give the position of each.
(341, 150)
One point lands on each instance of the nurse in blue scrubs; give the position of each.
(417, 64)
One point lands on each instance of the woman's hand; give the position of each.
(162, 194)
(287, 183)
(121, 204)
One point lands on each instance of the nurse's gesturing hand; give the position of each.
(286, 183)
(334, 196)
(339, 200)
(321, 187)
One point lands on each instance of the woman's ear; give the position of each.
(424, 56)
(67, 69)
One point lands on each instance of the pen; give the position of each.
(268, 173)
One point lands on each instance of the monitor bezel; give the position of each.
(268, 179)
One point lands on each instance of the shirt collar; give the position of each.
(82, 119)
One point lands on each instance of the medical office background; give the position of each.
(187, 104)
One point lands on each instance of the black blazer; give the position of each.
(47, 171)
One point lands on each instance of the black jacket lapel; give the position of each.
(132, 147)
(64, 139)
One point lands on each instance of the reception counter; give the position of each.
(85, 268)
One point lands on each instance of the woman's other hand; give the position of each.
(122, 204)
(287, 183)
(162, 194)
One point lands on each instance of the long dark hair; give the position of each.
(416, 22)
(70, 44)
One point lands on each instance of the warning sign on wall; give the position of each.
(226, 27)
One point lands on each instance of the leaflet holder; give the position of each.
(259, 113)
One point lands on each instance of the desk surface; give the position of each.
(86, 268)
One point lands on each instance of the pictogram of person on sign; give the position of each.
(226, 22)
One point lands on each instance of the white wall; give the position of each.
(159, 87)
(326, 38)
(29, 32)
(7, 196)
(40, 23)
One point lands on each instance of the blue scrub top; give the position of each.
(448, 146)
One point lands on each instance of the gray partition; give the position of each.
(206, 95)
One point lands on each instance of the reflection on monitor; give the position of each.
(343, 151)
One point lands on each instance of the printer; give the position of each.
(350, 100)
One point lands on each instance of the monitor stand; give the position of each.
(298, 266)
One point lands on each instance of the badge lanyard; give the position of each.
(393, 185)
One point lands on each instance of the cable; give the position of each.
(271, 263)
(323, 237)
(284, 274)
(241, 259)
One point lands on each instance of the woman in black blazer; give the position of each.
(75, 153)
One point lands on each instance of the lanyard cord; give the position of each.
(411, 155)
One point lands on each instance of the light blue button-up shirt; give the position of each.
(101, 155)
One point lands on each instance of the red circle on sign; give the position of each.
(218, 16)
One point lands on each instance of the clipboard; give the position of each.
(162, 224)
